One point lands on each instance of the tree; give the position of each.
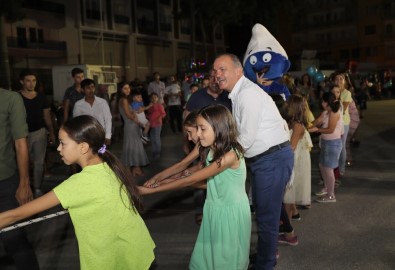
(10, 10)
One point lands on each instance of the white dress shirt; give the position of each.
(174, 88)
(258, 120)
(99, 110)
(158, 88)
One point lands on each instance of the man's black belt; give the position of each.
(269, 151)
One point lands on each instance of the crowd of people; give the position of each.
(237, 132)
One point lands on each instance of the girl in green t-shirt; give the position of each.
(102, 200)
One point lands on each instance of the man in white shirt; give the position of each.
(158, 87)
(265, 139)
(94, 106)
(173, 94)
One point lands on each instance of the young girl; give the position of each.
(102, 201)
(329, 124)
(224, 237)
(346, 99)
(299, 192)
(156, 113)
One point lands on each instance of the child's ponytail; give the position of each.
(125, 176)
(85, 128)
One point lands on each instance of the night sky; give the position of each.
(238, 37)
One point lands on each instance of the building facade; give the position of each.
(360, 32)
(133, 38)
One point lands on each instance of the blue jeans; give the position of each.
(15, 241)
(270, 174)
(156, 144)
(343, 154)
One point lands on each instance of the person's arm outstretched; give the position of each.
(229, 160)
(43, 203)
(317, 122)
(176, 168)
(332, 122)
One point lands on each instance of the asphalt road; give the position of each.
(356, 232)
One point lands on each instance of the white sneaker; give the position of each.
(145, 138)
(326, 199)
(322, 192)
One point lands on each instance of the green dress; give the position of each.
(110, 235)
(223, 242)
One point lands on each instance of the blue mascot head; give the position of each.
(266, 58)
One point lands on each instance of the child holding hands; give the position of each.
(224, 237)
(102, 200)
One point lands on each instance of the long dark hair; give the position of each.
(225, 133)
(333, 103)
(86, 128)
(190, 121)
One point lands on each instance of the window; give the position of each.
(371, 51)
(146, 21)
(165, 23)
(36, 35)
(370, 29)
(390, 51)
(21, 37)
(185, 28)
(165, 2)
(344, 54)
(389, 29)
(33, 34)
(92, 9)
(121, 12)
(40, 35)
(355, 53)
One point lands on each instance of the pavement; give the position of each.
(356, 232)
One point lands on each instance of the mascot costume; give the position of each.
(267, 61)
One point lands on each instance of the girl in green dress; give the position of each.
(224, 237)
(102, 201)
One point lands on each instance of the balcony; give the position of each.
(47, 6)
(46, 14)
(46, 49)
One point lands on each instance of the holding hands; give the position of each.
(150, 185)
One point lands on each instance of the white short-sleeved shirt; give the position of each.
(100, 110)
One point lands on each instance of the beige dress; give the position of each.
(298, 191)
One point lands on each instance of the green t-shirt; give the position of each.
(110, 235)
(12, 127)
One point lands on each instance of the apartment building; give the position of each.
(133, 38)
(361, 32)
